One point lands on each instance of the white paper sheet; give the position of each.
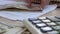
(23, 15)
(10, 3)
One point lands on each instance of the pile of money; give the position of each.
(26, 31)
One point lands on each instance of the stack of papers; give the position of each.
(24, 15)
(10, 3)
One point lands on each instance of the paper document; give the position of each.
(10, 3)
(24, 15)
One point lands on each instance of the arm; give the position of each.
(44, 3)
(29, 2)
